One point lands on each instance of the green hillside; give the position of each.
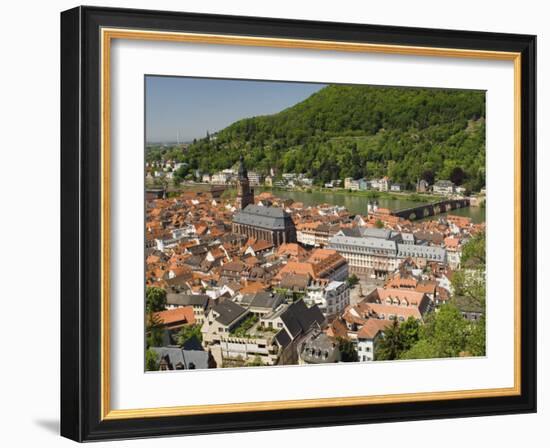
(355, 131)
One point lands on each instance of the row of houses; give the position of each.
(229, 177)
(440, 187)
(258, 300)
(363, 184)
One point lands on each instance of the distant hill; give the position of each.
(355, 131)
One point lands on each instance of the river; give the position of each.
(358, 204)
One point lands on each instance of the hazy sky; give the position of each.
(193, 106)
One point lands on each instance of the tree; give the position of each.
(352, 280)
(475, 342)
(151, 360)
(443, 335)
(256, 362)
(471, 285)
(181, 173)
(446, 330)
(187, 332)
(397, 339)
(177, 181)
(428, 176)
(469, 281)
(421, 350)
(155, 299)
(409, 331)
(154, 331)
(390, 345)
(347, 350)
(458, 176)
(474, 251)
(379, 224)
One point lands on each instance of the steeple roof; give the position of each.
(243, 173)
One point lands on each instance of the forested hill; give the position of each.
(361, 131)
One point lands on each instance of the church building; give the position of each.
(271, 224)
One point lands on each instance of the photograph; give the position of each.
(295, 224)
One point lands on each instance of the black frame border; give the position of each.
(81, 223)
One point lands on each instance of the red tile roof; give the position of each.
(176, 316)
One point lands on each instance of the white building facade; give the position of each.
(331, 298)
(379, 257)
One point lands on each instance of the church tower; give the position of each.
(245, 195)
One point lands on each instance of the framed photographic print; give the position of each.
(276, 224)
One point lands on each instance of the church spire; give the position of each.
(245, 194)
(243, 173)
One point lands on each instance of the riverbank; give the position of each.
(369, 194)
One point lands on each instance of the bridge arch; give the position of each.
(435, 208)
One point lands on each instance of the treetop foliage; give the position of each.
(155, 299)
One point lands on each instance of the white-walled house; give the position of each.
(186, 231)
(384, 184)
(305, 234)
(368, 337)
(220, 178)
(445, 187)
(454, 251)
(395, 187)
(331, 297)
(221, 320)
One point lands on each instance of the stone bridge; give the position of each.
(435, 208)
